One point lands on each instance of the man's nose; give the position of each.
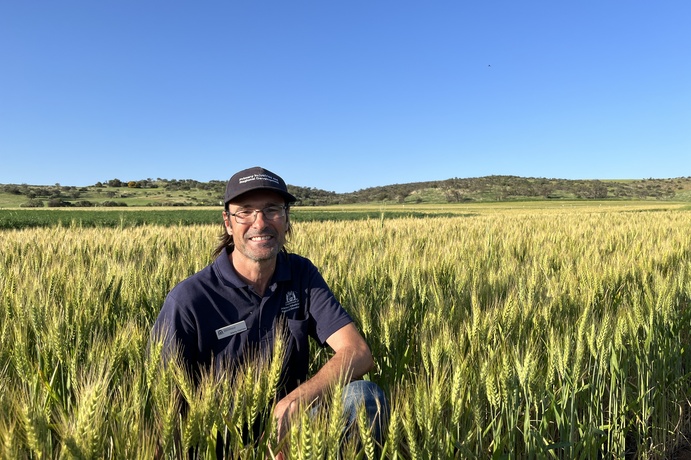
(259, 214)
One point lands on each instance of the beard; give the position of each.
(260, 250)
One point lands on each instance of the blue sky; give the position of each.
(343, 95)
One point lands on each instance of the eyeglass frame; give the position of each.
(254, 212)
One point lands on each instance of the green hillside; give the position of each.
(162, 192)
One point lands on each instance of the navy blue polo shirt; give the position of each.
(214, 314)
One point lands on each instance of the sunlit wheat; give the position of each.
(515, 333)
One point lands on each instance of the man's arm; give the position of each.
(352, 360)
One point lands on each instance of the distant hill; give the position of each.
(514, 188)
(163, 192)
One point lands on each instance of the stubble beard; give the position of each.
(265, 251)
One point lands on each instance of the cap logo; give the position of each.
(254, 177)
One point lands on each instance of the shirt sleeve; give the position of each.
(176, 328)
(327, 314)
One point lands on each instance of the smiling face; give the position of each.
(262, 239)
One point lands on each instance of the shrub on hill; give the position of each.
(33, 203)
(113, 204)
(58, 203)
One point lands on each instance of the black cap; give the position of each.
(256, 179)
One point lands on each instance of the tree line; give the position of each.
(453, 190)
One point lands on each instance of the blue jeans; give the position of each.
(368, 394)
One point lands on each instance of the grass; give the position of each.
(129, 217)
(499, 331)
(17, 218)
(27, 218)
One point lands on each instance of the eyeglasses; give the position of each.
(249, 216)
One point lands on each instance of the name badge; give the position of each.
(231, 329)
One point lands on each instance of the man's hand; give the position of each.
(352, 359)
(285, 408)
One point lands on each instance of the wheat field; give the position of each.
(507, 333)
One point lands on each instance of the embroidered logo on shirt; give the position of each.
(292, 302)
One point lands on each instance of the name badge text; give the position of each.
(231, 329)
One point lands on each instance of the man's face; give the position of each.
(262, 239)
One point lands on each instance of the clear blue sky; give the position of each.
(343, 95)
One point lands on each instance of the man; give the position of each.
(232, 307)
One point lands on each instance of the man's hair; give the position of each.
(226, 241)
